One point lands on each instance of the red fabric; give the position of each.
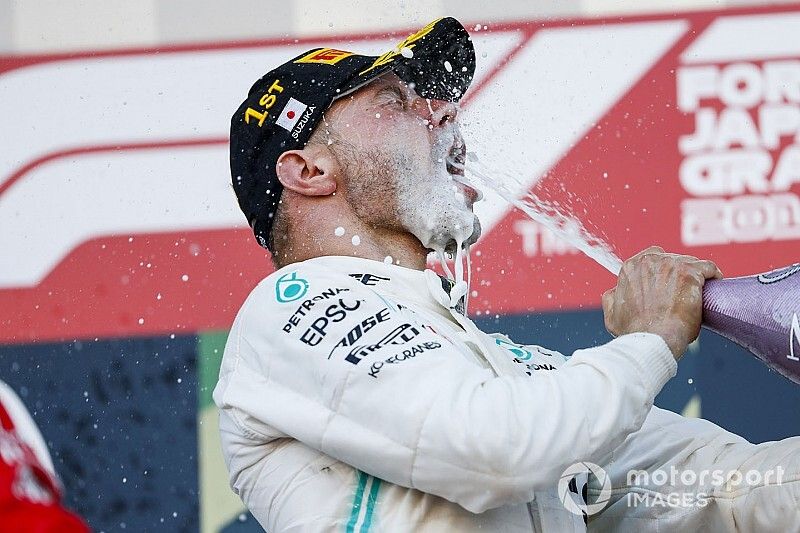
(30, 498)
(5, 419)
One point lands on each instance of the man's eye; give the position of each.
(394, 98)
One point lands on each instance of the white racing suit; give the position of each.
(354, 396)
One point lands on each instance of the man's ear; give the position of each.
(308, 171)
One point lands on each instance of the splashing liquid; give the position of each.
(462, 283)
(544, 213)
(760, 312)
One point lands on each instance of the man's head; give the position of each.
(372, 142)
(394, 159)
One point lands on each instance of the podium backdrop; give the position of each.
(125, 258)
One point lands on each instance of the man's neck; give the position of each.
(402, 249)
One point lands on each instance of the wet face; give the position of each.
(401, 158)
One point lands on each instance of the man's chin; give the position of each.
(452, 245)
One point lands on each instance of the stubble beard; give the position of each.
(387, 188)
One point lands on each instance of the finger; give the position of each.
(647, 251)
(608, 300)
(682, 257)
(608, 305)
(708, 269)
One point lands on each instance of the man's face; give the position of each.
(402, 158)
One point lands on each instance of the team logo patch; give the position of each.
(519, 352)
(327, 56)
(290, 287)
(291, 113)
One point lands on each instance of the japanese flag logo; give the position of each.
(291, 113)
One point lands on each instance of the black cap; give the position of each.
(283, 107)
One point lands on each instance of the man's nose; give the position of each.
(442, 112)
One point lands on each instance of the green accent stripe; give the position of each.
(362, 482)
(373, 497)
(210, 345)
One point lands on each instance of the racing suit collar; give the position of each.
(444, 296)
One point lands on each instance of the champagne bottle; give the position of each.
(760, 313)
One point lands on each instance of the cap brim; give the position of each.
(439, 60)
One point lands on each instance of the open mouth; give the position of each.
(456, 160)
(456, 163)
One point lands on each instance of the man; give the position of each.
(354, 393)
(30, 492)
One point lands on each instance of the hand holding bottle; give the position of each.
(659, 293)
